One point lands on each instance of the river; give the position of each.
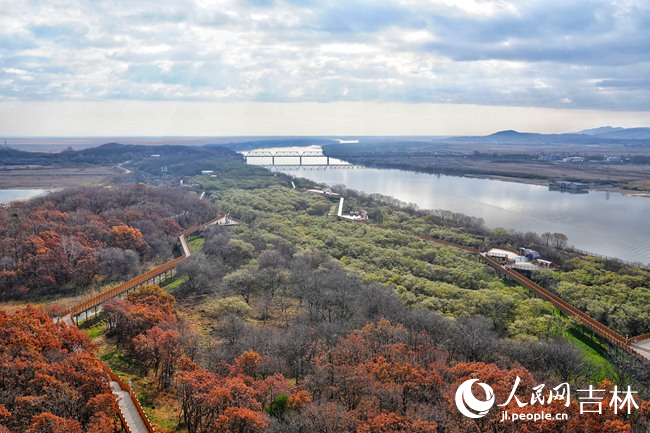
(605, 223)
(9, 195)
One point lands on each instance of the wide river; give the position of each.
(605, 223)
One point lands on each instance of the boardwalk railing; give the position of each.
(608, 334)
(116, 291)
(638, 338)
(602, 330)
(124, 287)
(150, 275)
(125, 387)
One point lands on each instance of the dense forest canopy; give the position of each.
(65, 241)
(49, 379)
(293, 321)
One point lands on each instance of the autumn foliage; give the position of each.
(232, 401)
(382, 378)
(64, 241)
(49, 381)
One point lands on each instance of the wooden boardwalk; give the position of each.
(131, 414)
(158, 274)
(638, 347)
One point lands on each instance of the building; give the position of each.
(613, 159)
(575, 160)
(529, 254)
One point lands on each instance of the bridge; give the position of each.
(287, 159)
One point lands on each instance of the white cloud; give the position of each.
(492, 52)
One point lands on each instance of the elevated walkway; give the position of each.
(128, 413)
(131, 414)
(638, 347)
(92, 306)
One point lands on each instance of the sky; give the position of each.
(303, 67)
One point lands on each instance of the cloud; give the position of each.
(365, 17)
(587, 53)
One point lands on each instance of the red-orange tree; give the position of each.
(49, 380)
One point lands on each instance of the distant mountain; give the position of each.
(514, 137)
(601, 130)
(619, 133)
(513, 134)
(605, 135)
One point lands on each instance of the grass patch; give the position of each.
(96, 330)
(173, 283)
(594, 352)
(162, 409)
(196, 244)
(118, 362)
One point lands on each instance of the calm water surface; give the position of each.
(605, 223)
(7, 195)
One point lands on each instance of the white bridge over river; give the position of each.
(293, 159)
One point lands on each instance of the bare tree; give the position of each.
(560, 240)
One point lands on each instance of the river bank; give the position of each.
(34, 177)
(628, 179)
(543, 182)
(609, 220)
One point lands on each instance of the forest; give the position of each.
(293, 321)
(77, 238)
(112, 153)
(50, 382)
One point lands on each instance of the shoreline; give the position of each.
(43, 192)
(51, 178)
(540, 182)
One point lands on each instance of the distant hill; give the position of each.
(619, 133)
(604, 135)
(600, 130)
(512, 134)
(515, 137)
(109, 153)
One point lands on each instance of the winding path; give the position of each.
(131, 413)
(92, 305)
